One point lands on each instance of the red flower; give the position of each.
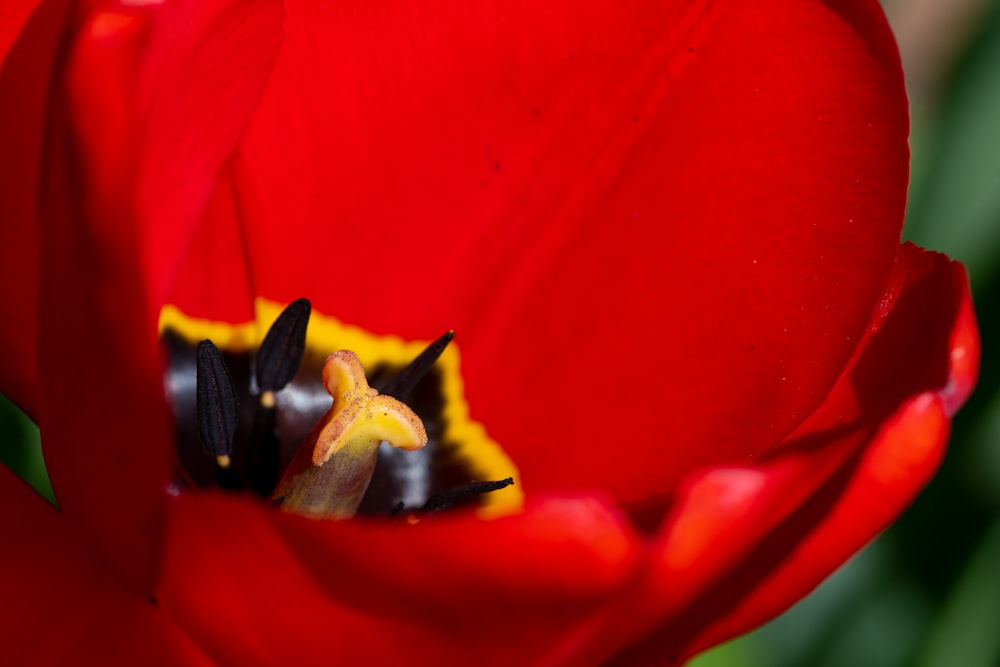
(667, 234)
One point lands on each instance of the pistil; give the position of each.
(331, 471)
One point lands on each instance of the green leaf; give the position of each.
(21, 448)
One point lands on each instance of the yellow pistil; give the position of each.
(332, 469)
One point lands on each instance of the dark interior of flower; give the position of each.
(241, 417)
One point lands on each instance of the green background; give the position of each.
(927, 592)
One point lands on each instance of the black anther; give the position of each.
(417, 369)
(217, 406)
(284, 344)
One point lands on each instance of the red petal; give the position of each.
(927, 296)
(744, 544)
(149, 103)
(28, 34)
(895, 467)
(259, 587)
(212, 280)
(60, 604)
(659, 229)
(13, 16)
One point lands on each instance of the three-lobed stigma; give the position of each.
(334, 466)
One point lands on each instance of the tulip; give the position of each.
(665, 234)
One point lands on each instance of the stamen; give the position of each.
(281, 351)
(333, 468)
(264, 451)
(457, 496)
(217, 406)
(278, 360)
(418, 368)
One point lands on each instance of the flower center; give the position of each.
(260, 419)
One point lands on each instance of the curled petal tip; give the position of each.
(963, 360)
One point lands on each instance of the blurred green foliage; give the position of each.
(927, 592)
